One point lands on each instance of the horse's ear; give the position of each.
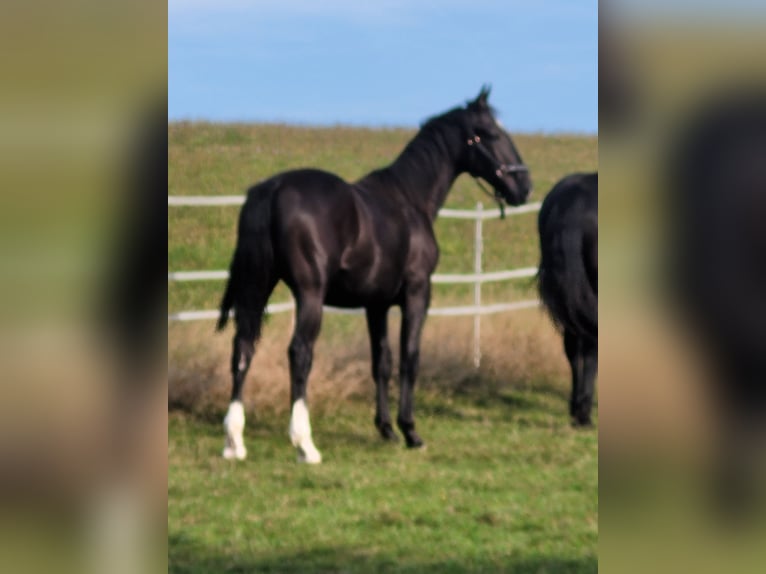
(483, 96)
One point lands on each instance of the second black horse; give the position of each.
(568, 279)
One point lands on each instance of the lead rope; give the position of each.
(494, 197)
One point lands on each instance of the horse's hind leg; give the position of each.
(301, 352)
(590, 367)
(377, 326)
(583, 359)
(248, 332)
(572, 349)
(234, 422)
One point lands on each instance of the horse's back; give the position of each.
(568, 275)
(320, 189)
(577, 191)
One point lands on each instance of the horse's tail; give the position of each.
(564, 279)
(227, 302)
(251, 273)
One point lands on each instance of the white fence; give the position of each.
(477, 278)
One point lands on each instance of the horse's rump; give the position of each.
(251, 273)
(568, 273)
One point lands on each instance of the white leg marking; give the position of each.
(300, 434)
(234, 423)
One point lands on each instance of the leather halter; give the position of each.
(500, 170)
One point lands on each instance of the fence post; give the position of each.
(478, 248)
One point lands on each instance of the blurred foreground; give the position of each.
(83, 136)
(683, 289)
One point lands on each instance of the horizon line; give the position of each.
(356, 125)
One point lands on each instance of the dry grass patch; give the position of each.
(520, 351)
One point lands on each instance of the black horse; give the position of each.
(568, 279)
(367, 244)
(715, 170)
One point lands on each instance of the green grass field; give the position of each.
(504, 485)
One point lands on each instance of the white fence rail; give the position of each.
(438, 311)
(222, 200)
(477, 278)
(446, 278)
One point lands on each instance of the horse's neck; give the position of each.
(424, 172)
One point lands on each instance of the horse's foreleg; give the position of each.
(414, 312)
(377, 326)
(301, 351)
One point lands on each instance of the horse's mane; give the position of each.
(422, 158)
(451, 114)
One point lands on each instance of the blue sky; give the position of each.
(383, 62)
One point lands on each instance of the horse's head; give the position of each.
(491, 155)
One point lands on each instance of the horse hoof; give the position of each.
(388, 434)
(230, 453)
(414, 441)
(309, 456)
(583, 424)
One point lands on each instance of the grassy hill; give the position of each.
(212, 159)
